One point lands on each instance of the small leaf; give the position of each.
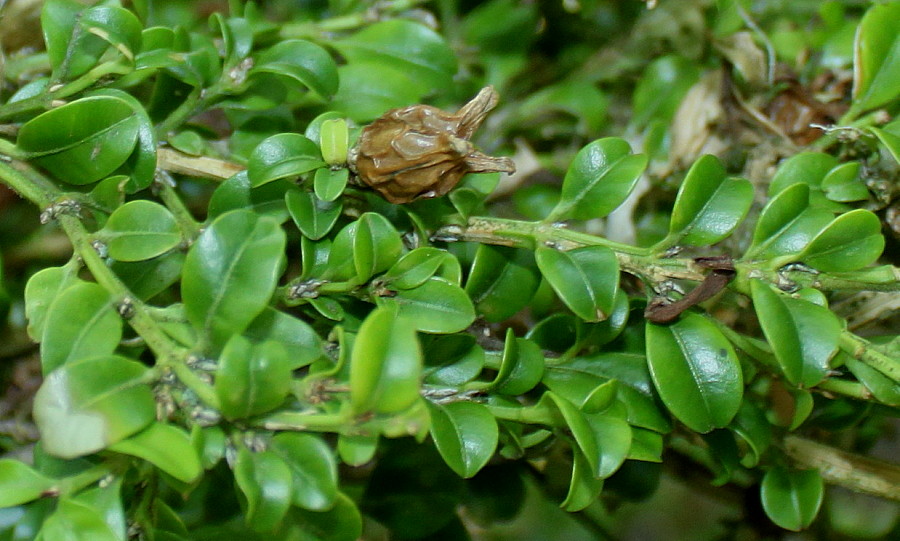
(41, 290)
(417, 266)
(376, 245)
(334, 139)
(891, 141)
(281, 156)
(876, 58)
(501, 281)
(453, 359)
(73, 519)
(521, 366)
(314, 217)
(792, 498)
(84, 140)
(230, 273)
(267, 483)
(370, 88)
(303, 62)
(80, 323)
(436, 306)
(599, 179)
(20, 484)
(696, 372)
(89, 404)
(140, 230)
(808, 168)
(357, 450)
(709, 205)
(586, 279)
(882, 387)
(663, 84)
(584, 487)
(465, 434)
(343, 522)
(329, 184)
(804, 336)
(843, 183)
(852, 241)
(787, 224)
(386, 364)
(166, 447)
(299, 340)
(236, 193)
(252, 378)
(313, 468)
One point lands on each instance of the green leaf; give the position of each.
(82, 141)
(876, 58)
(417, 266)
(301, 61)
(357, 450)
(792, 498)
(314, 217)
(313, 468)
(208, 444)
(751, 425)
(329, 184)
(435, 306)
(804, 336)
(141, 165)
(20, 484)
(230, 273)
(343, 522)
(334, 139)
(465, 434)
(281, 156)
(41, 290)
(521, 366)
(810, 168)
(663, 85)
(598, 180)
(252, 378)
(89, 404)
(140, 230)
(267, 483)
(852, 241)
(696, 372)
(165, 446)
(386, 364)
(407, 46)
(578, 425)
(75, 520)
(301, 343)
(882, 387)
(709, 205)
(891, 141)
(584, 487)
(586, 279)
(80, 323)
(115, 25)
(370, 88)
(787, 224)
(501, 281)
(843, 184)
(452, 359)
(148, 278)
(236, 193)
(376, 245)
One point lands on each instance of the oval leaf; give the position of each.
(465, 434)
(852, 241)
(266, 482)
(313, 217)
(20, 484)
(251, 379)
(313, 467)
(165, 446)
(876, 58)
(792, 498)
(501, 281)
(586, 279)
(521, 366)
(787, 224)
(140, 230)
(436, 306)
(304, 62)
(281, 156)
(696, 372)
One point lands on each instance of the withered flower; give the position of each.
(420, 151)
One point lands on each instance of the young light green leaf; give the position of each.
(140, 230)
(696, 372)
(230, 273)
(252, 378)
(465, 434)
(586, 279)
(19, 483)
(165, 446)
(313, 468)
(792, 498)
(334, 139)
(501, 281)
(436, 306)
(80, 323)
(76, 520)
(89, 404)
(804, 336)
(876, 58)
(386, 364)
(852, 241)
(598, 180)
(357, 450)
(709, 205)
(843, 184)
(808, 168)
(267, 483)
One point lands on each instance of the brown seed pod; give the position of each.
(420, 151)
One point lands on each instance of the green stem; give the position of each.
(300, 421)
(184, 111)
(523, 414)
(183, 216)
(843, 387)
(863, 350)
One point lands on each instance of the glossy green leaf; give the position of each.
(808, 168)
(465, 434)
(882, 387)
(613, 435)
(584, 487)
(452, 360)
(696, 372)
(890, 140)
(252, 378)
(230, 273)
(140, 230)
(41, 290)
(334, 139)
(417, 266)
(501, 281)
(78, 521)
(301, 61)
(521, 366)
(148, 278)
(709, 205)
(792, 498)
(586, 279)
(663, 85)
(208, 444)
(579, 427)
(281, 156)
(803, 336)
(376, 245)
(80, 323)
(576, 97)
(89, 404)
(599, 179)
(852, 241)
(751, 425)
(165, 446)
(357, 450)
(876, 58)
(312, 466)
(436, 306)
(19, 483)
(646, 445)
(115, 25)
(369, 89)
(411, 47)
(84, 140)
(314, 217)
(141, 165)
(236, 193)
(343, 522)
(843, 184)
(301, 343)
(58, 21)
(787, 224)
(329, 184)
(267, 484)
(386, 364)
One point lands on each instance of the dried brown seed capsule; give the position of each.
(420, 151)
